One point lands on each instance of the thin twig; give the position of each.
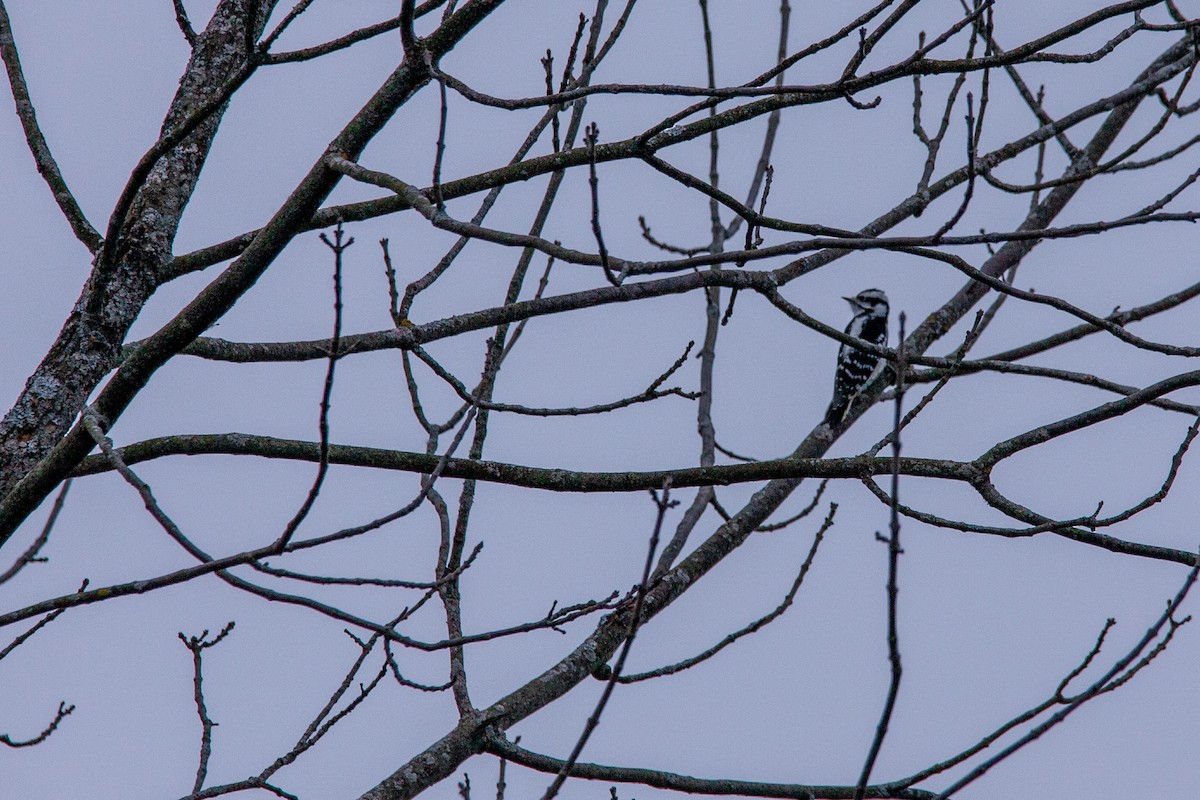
(440, 150)
(46, 165)
(753, 627)
(338, 246)
(30, 555)
(590, 138)
(801, 514)
(197, 645)
(893, 589)
(1117, 675)
(185, 26)
(41, 623)
(663, 504)
(63, 712)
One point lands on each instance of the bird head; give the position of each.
(869, 300)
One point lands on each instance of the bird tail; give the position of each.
(837, 410)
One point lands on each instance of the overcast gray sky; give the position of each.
(989, 625)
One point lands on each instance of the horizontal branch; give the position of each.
(660, 779)
(406, 338)
(561, 480)
(555, 480)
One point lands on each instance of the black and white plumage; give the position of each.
(855, 368)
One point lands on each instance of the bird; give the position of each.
(856, 368)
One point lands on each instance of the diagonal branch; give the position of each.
(42, 157)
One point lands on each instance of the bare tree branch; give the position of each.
(47, 167)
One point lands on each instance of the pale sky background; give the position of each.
(989, 626)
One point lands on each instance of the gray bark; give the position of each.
(126, 273)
